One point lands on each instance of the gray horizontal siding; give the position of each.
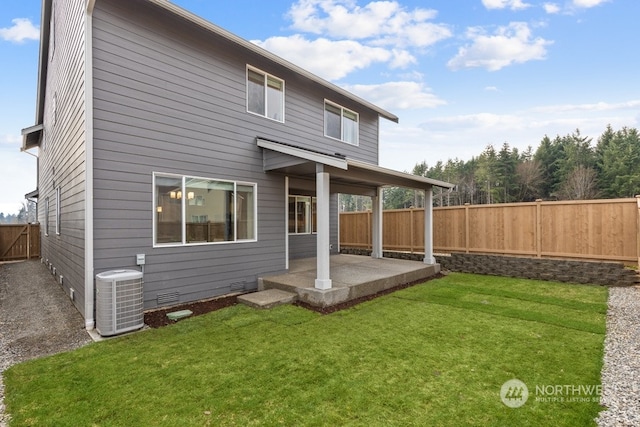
(62, 159)
(171, 99)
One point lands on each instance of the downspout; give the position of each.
(88, 183)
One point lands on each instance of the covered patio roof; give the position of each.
(347, 175)
(335, 173)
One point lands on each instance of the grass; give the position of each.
(433, 354)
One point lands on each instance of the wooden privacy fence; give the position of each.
(591, 229)
(19, 241)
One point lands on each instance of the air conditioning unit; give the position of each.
(119, 302)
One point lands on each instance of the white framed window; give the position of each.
(54, 107)
(340, 123)
(46, 216)
(58, 203)
(265, 94)
(195, 210)
(302, 215)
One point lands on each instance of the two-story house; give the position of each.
(160, 133)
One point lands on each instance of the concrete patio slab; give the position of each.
(352, 276)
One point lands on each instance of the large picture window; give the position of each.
(340, 123)
(265, 95)
(194, 210)
(302, 215)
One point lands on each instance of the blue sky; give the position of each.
(459, 74)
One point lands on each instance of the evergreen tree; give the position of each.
(618, 156)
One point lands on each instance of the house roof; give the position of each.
(301, 162)
(31, 139)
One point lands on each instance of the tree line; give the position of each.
(26, 214)
(570, 167)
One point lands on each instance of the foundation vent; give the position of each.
(168, 298)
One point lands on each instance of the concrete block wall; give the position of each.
(561, 270)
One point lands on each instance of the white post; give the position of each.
(323, 279)
(376, 232)
(428, 227)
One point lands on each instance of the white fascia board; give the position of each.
(324, 159)
(407, 176)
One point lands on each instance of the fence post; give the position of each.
(539, 228)
(411, 230)
(466, 227)
(638, 230)
(369, 238)
(28, 242)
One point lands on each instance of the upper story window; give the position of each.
(265, 95)
(340, 123)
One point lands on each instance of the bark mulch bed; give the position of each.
(158, 318)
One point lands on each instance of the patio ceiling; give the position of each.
(347, 175)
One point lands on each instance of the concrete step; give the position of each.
(267, 299)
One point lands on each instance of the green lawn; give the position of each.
(433, 354)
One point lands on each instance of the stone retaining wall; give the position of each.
(571, 271)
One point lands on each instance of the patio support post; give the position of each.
(428, 226)
(376, 235)
(323, 278)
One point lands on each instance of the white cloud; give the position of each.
(21, 31)
(594, 107)
(509, 45)
(398, 95)
(329, 59)
(502, 4)
(572, 6)
(442, 137)
(10, 140)
(352, 37)
(551, 8)
(475, 121)
(402, 59)
(491, 89)
(379, 22)
(588, 3)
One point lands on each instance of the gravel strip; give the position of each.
(621, 370)
(36, 318)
